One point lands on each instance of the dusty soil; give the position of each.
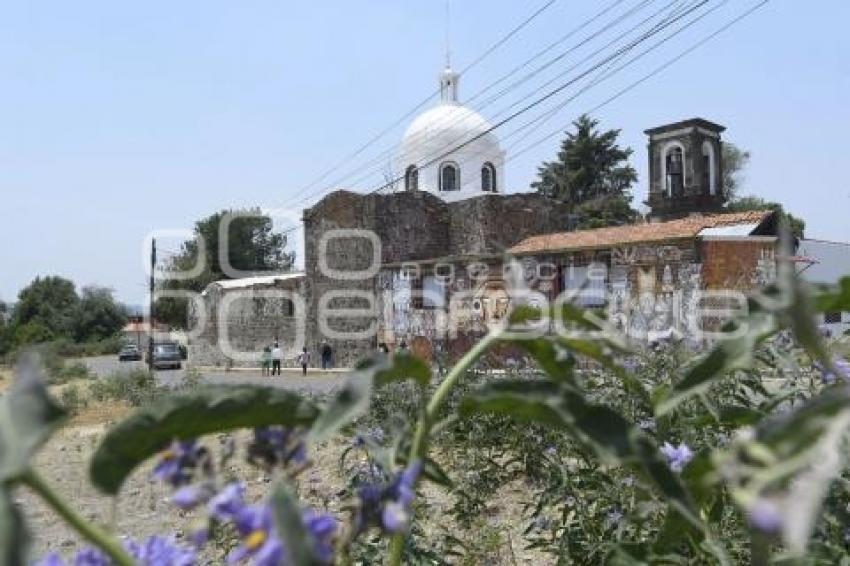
(143, 507)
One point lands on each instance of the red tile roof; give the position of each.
(683, 228)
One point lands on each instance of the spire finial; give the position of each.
(448, 37)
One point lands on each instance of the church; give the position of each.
(431, 265)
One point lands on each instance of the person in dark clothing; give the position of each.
(327, 355)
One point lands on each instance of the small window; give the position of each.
(411, 178)
(488, 178)
(449, 177)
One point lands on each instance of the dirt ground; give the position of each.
(143, 508)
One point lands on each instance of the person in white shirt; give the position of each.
(304, 360)
(277, 356)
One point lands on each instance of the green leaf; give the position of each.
(728, 355)
(28, 416)
(555, 359)
(600, 428)
(601, 353)
(14, 538)
(290, 528)
(349, 403)
(353, 399)
(189, 415)
(401, 367)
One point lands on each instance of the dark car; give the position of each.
(167, 355)
(129, 353)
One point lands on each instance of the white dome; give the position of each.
(429, 145)
(444, 127)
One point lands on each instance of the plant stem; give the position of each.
(88, 531)
(418, 448)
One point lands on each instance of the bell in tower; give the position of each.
(685, 169)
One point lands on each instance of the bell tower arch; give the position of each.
(685, 169)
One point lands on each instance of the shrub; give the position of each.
(137, 387)
(72, 400)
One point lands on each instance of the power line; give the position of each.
(633, 85)
(666, 22)
(427, 99)
(649, 75)
(560, 88)
(608, 26)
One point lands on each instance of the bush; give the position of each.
(137, 387)
(71, 399)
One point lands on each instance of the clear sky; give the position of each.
(118, 118)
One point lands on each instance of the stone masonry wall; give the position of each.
(252, 322)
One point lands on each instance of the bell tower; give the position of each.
(685, 169)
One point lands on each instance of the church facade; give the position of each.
(432, 266)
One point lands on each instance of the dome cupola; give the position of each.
(450, 150)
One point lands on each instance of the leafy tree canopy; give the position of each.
(252, 246)
(100, 316)
(605, 211)
(589, 165)
(735, 162)
(593, 174)
(796, 224)
(50, 309)
(49, 304)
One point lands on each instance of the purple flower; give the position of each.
(52, 559)
(91, 557)
(155, 551)
(389, 506)
(188, 497)
(677, 456)
(228, 502)
(258, 537)
(322, 528)
(765, 516)
(160, 551)
(177, 464)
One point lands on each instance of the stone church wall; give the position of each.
(255, 317)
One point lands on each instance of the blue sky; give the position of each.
(120, 118)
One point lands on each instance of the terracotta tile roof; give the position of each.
(634, 233)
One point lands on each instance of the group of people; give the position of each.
(273, 357)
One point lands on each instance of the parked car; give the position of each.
(129, 353)
(166, 355)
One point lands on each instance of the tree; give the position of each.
(796, 224)
(589, 165)
(252, 246)
(46, 310)
(605, 211)
(5, 333)
(735, 162)
(100, 316)
(592, 173)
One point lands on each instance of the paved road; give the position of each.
(315, 381)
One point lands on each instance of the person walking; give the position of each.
(266, 360)
(304, 359)
(277, 356)
(327, 355)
